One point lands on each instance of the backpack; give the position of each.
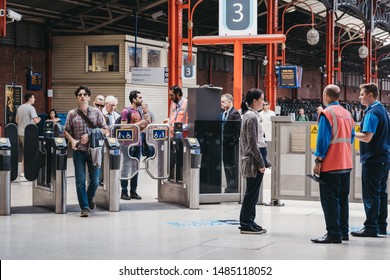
(129, 110)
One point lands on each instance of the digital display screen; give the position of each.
(289, 76)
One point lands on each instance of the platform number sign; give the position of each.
(237, 17)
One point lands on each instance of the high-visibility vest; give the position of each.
(339, 155)
(178, 116)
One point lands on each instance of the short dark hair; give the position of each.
(370, 88)
(87, 90)
(176, 90)
(333, 91)
(133, 95)
(27, 96)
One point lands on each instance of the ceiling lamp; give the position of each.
(363, 51)
(313, 37)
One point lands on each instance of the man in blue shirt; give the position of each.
(374, 139)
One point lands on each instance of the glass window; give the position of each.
(153, 58)
(103, 58)
(135, 60)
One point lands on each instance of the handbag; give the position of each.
(96, 139)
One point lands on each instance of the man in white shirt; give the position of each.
(109, 109)
(265, 119)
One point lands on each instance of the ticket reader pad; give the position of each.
(184, 193)
(5, 176)
(108, 195)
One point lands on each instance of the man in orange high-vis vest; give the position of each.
(178, 110)
(334, 164)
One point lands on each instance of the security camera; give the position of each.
(2, 12)
(13, 15)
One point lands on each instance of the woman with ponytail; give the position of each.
(253, 159)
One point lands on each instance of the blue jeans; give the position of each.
(134, 151)
(374, 184)
(248, 207)
(84, 196)
(334, 202)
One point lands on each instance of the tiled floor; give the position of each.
(149, 230)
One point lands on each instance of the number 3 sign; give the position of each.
(237, 17)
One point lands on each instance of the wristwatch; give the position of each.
(317, 160)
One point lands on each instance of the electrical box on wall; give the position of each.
(34, 81)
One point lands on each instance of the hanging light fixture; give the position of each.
(313, 37)
(363, 51)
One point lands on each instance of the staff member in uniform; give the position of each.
(375, 158)
(334, 164)
(178, 110)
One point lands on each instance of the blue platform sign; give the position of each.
(125, 134)
(160, 134)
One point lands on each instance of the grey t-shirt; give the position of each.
(24, 117)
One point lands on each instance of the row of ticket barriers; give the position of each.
(175, 165)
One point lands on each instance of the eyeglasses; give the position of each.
(99, 105)
(112, 105)
(265, 104)
(82, 94)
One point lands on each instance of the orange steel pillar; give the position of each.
(238, 41)
(237, 74)
(175, 45)
(368, 60)
(270, 78)
(330, 47)
(3, 19)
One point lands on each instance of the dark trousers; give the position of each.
(230, 163)
(134, 151)
(334, 201)
(248, 207)
(375, 198)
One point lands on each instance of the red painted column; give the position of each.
(368, 60)
(3, 19)
(270, 79)
(330, 47)
(237, 82)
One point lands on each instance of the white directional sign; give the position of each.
(237, 17)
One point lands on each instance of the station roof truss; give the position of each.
(148, 19)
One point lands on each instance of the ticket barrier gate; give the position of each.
(108, 195)
(122, 138)
(5, 176)
(185, 192)
(50, 180)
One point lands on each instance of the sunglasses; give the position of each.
(99, 105)
(82, 94)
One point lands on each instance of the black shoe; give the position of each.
(345, 237)
(92, 204)
(125, 196)
(135, 196)
(364, 233)
(256, 230)
(382, 232)
(326, 239)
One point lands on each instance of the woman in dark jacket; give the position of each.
(253, 164)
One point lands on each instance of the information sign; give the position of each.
(237, 17)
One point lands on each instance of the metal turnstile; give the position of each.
(49, 178)
(108, 195)
(185, 192)
(5, 176)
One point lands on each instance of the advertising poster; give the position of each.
(12, 102)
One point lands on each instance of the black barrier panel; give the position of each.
(11, 132)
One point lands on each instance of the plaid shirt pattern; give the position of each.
(76, 126)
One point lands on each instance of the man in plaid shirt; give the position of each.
(77, 132)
